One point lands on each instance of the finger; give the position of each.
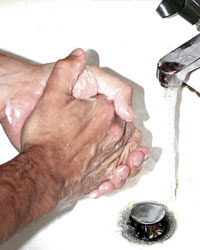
(95, 81)
(134, 161)
(117, 181)
(119, 91)
(132, 143)
(145, 150)
(65, 73)
(123, 171)
(86, 85)
(119, 176)
(135, 140)
(104, 188)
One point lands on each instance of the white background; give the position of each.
(129, 38)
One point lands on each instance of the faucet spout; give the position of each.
(173, 68)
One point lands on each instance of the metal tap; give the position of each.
(173, 68)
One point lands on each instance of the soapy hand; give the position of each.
(26, 85)
(89, 141)
(27, 88)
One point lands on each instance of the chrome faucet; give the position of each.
(173, 68)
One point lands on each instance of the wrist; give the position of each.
(51, 165)
(27, 188)
(40, 167)
(28, 191)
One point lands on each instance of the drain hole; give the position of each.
(147, 222)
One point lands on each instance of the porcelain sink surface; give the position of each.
(129, 39)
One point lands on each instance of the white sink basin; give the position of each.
(129, 38)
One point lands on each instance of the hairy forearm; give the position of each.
(27, 191)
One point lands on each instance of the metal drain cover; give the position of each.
(148, 213)
(147, 222)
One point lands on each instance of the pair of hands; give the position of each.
(89, 147)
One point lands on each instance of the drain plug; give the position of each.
(147, 222)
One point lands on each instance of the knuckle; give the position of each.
(62, 63)
(69, 64)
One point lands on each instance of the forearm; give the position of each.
(27, 191)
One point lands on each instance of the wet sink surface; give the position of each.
(128, 46)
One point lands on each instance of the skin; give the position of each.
(56, 163)
(22, 85)
(102, 136)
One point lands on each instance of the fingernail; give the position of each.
(123, 172)
(77, 52)
(106, 187)
(93, 194)
(146, 151)
(137, 160)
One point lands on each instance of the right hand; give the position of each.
(82, 141)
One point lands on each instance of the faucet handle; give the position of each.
(188, 9)
(168, 8)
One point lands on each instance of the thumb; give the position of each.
(65, 73)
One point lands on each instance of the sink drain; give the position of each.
(147, 222)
